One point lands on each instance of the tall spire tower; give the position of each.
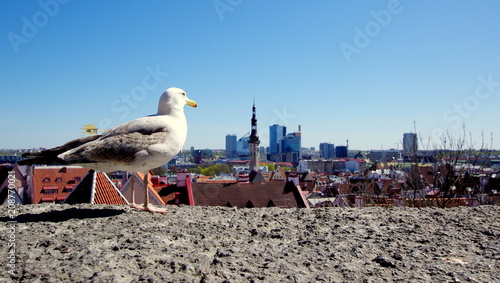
(253, 142)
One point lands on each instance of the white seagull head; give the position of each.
(174, 99)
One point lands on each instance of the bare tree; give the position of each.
(452, 167)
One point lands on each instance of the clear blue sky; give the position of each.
(357, 70)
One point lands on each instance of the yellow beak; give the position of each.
(191, 103)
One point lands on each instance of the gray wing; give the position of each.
(119, 144)
(116, 147)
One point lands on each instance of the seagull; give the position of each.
(135, 146)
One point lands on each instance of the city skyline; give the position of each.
(360, 71)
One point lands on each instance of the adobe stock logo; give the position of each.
(122, 106)
(461, 111)
(30, 27)
(372, 29)
(224, 6)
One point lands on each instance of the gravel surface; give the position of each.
(99, 243)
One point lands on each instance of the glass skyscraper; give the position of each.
(327, 150)
(231, 147)
(277, 136)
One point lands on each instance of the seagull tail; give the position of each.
(42, 160)
(50, 156)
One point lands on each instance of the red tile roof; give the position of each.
(106, 192)
(280, 194)
(96, 188)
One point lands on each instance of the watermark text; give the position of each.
(11, 226)
(31, 26)
(224, 6)
(122, 105)
(363, 36)
(461, 111)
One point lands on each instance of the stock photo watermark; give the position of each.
(461, 111)
(282, 116)
(458, 113)
(31, 26)
(122, 105)
(363, 36)
(224, 6)
(11, 226)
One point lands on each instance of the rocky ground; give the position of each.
(93, 243)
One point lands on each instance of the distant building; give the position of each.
(242, 146)
(284, 147)
(172, 162)
(327, 150)
(277, 136)
(341, 151)
(200, 154)
(277, 157)
(410, 144)
(231, 146)
(237, 169)
(331, 165)
(352, 165)
(292, 156)
(383, 155)
(263, 152)
(9, 159)
(293, 143)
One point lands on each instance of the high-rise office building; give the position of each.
(410, 144)
(341, 151)
(231, 146)
(277, 136)
(293, 142)
(327, 150)
(283, 147)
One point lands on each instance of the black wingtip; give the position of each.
(42, 161)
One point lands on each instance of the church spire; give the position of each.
(253, 142)
(254, 137)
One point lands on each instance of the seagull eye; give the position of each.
(184, 93)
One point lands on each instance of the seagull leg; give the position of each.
(147, 206)
(132, 192)
(145, 184)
